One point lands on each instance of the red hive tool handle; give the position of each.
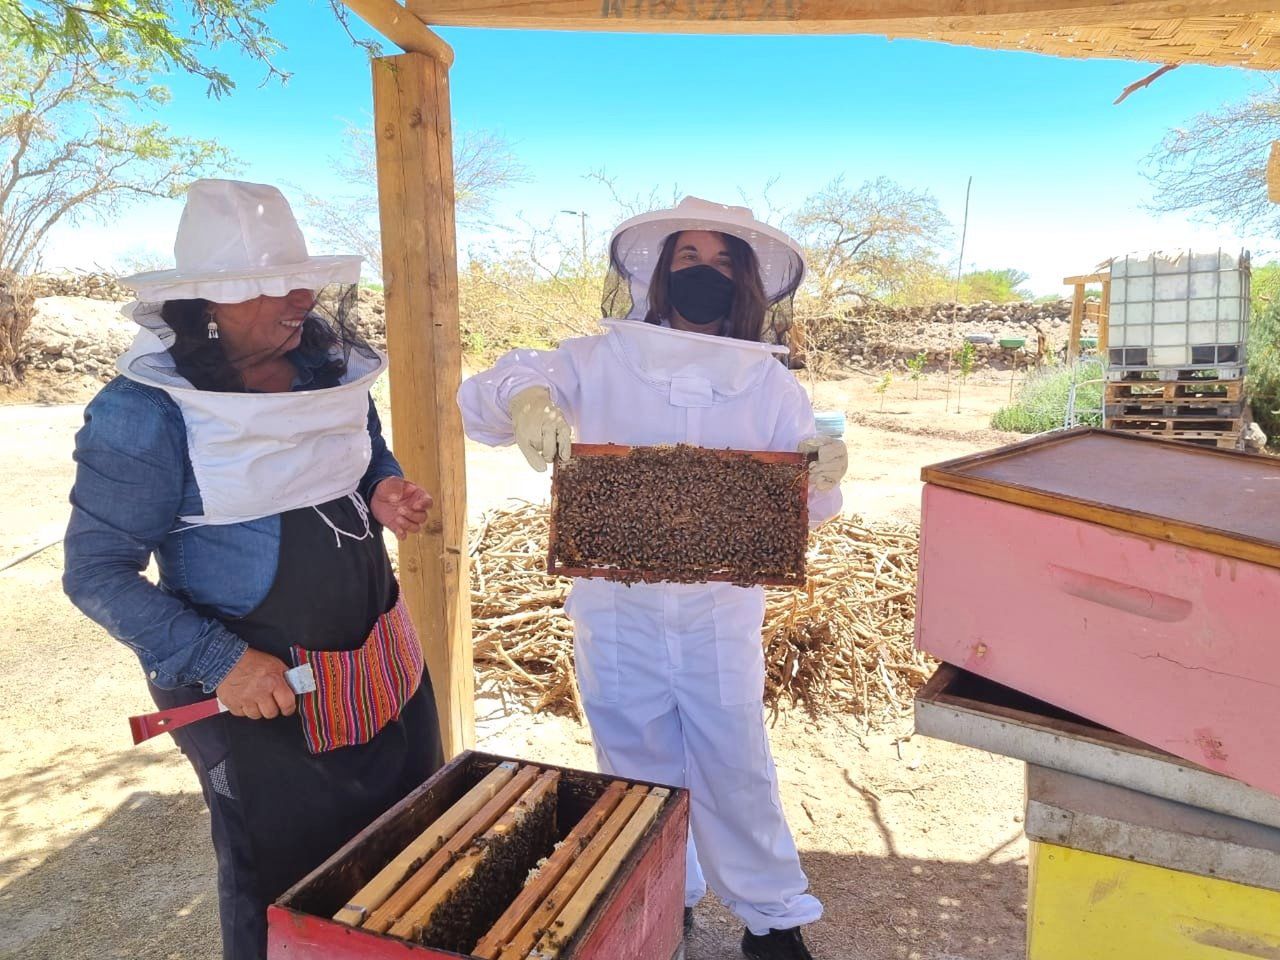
(150, 725)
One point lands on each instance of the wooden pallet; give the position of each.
(1219, 441)
(1177, 426)
(1178, 391)
(1201, 408)
(1172, 374)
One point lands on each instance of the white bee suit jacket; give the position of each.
(672, 675)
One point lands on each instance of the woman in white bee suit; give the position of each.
(672, 675)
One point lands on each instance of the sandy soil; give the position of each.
(914, 845)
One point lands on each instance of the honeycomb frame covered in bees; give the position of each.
(681, 514)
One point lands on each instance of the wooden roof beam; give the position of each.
(402, 28)
(816, 16)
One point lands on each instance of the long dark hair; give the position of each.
(746, 315)
(204, 363)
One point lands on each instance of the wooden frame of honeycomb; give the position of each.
(681, 514)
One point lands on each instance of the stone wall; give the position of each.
(888, 338)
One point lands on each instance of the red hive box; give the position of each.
(638, 917)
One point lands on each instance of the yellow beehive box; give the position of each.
(1085, 906)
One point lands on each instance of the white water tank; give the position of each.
(1179, 310)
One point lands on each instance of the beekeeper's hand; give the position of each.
(256, 687)
(541, 430)
(400, 505)
(832, 464)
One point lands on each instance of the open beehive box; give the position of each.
(681, 514)
(498, 859)
(1128, 580)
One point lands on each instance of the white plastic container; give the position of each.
(1185, 310)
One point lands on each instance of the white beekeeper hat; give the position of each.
(637, 244)
(237, 241)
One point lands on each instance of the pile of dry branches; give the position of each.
(844, 644)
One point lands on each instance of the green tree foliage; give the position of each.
(157, 33)
(70, 147)
(998, 286)
(1264, 367)
(1264, 287)
(1043, 400)
(868, 243)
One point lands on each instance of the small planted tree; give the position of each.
(882, 387)
(968, 354)
(916, 366)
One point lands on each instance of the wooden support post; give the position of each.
(420, 273)
(1077, 321)
(402, 28)
(1104, 321)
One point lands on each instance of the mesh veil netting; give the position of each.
(626, 293)
(332, 347)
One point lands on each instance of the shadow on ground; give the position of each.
(69, 906)
(107, 894)
(894, 908)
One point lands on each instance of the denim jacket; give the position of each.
(133, 480)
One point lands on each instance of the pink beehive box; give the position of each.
(1132, 581)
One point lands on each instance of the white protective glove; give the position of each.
(541, 430)
(832, 464)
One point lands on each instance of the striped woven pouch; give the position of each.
(358, 692)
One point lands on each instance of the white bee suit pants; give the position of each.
(672, 679)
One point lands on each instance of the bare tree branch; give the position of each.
(483, 164)
(1216, 168)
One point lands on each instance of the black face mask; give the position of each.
(702, 294)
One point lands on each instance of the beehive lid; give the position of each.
(1221, 501)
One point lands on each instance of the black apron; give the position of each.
(279, 811)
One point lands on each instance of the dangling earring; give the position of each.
(212, 326)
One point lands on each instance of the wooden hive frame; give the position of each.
(622, 848)
(557, 568)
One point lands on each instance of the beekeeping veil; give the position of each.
(637, 244)
(256, 454)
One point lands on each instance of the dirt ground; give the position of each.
(914, 845)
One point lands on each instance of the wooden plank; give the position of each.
(1104, 319)
(515, 917)
(375, 893)
(563, 891)
(1077, 323)
(1103, 818)
(641, 916)
(419, 250)
(1087, 279)
(402, 28)
(1177, 391)
(962, 708)
(411, 924)
(811, 16)
(1104, 908)
(1045, 474)
(412, 889)
(567, 922)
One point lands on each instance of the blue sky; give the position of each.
(1056, 174)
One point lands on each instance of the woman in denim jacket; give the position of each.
(241, 450)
